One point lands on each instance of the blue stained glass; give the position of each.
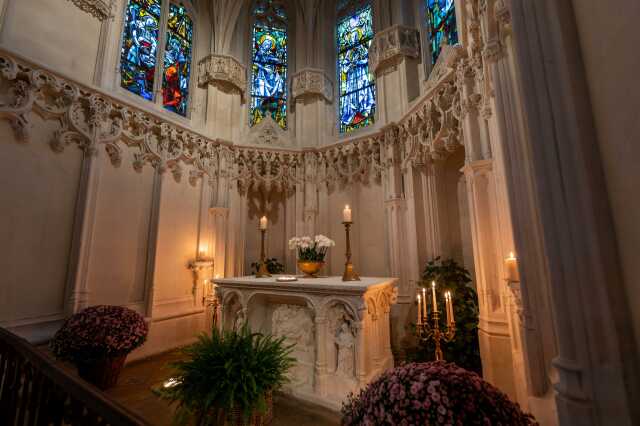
(356, 83)
(269, 75)
(140, 47)
(441, 20)
(177, 61)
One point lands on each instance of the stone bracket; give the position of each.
(224, 70)
(392, 44)
(310, 82)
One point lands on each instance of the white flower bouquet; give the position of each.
(311, 249)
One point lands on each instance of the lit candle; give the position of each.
(346, 214)
(447, 306)
(453, 319)
(263, 223)
(433, 293)
(511, 268)
(202, 252)
(424, 305)
(419, 311)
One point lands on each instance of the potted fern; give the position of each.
(228, 378)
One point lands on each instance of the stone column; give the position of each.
(321, 354)
(393, 58)
(224, 77)
(495, 338)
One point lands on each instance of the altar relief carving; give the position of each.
(295, 324)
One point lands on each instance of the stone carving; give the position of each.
(223, 70)
(100, 9)
(268, 133)
(295, 324)
(390, 45)
(93, 121)
(311, 82)
(345, 341)
(240, 319)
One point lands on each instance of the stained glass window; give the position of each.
(140, 47)
(357, 84)
(441, 22)
(177, 60)
(269, 64)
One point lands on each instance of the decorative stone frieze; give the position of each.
(100, 9)
(222, 70)
(311, 82)
(446, 64)
(93, 121)
(391, 45)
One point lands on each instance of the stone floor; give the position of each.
(138, 378)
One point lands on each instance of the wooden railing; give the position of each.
(34, 390)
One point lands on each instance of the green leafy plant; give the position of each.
(229, 370)
(273, 266)
(464, 350)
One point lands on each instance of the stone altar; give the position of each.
(340, 329)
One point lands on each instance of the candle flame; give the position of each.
(346, 207)
(418, 298)
(512, 256)
(433, 284)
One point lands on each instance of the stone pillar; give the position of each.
(393, 58)
(224, 77)
(321, 355)
(312, 94)
(494, 334)
(77, 284)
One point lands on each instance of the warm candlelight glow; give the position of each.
(511, 268)
(202, 251)
(419, 310)
(346, 214)
(424, 303)
(263, 223)
(433, 293)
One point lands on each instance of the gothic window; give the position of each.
(356, 83)
(142, 50)
(177, 60)
(441, 23)
(269, 63)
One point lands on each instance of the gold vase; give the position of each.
(310, 269)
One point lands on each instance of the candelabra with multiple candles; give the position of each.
(428, 326)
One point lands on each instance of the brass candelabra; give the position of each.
(349, 273)
(262, 269)
(429, 328)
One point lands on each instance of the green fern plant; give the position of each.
(226, 371)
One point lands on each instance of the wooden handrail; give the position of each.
(34, 390)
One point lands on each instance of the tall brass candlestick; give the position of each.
(262, 270)
(349, 273)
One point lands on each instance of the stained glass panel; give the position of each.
(441, 21)
(356, 83)
(177, 60)
(269, 75)
(140, 47)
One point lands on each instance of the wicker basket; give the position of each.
(102, 373)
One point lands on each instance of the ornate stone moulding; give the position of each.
(95, 122)
(390, 45)
(224, 70)
(100, 9)
(445, 65)
(311, 82)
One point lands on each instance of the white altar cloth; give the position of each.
(340, 329)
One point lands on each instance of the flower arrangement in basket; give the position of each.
(432, 393)
(98, 339)
(228, 378)
(311, 252)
